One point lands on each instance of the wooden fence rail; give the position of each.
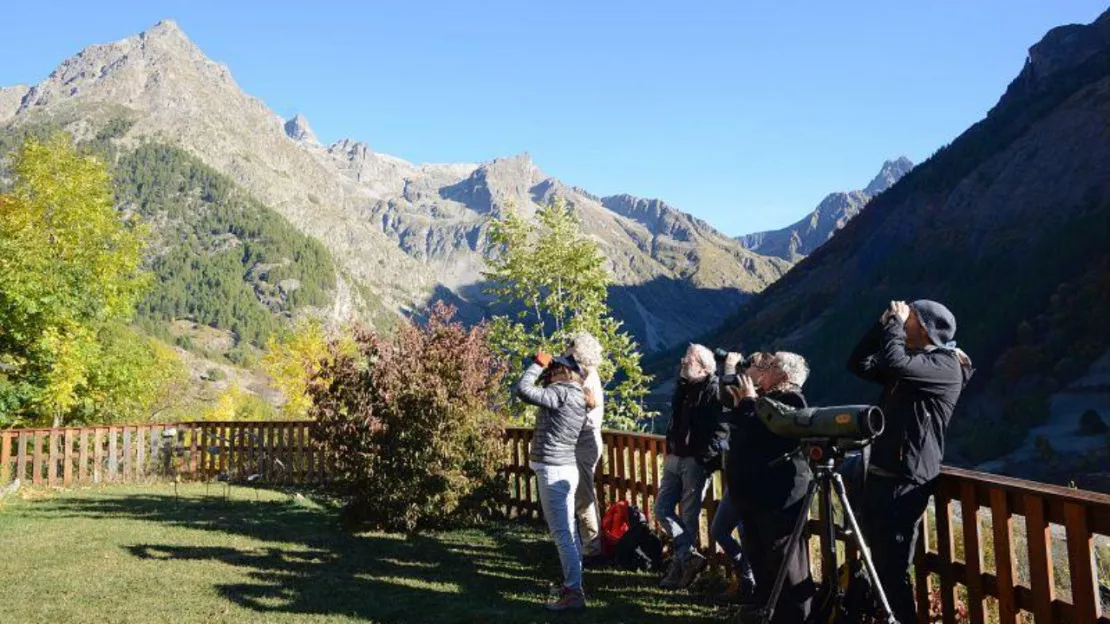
(274, 451)
(994, 549)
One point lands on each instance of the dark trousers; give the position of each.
(892, 510)
(766, 539)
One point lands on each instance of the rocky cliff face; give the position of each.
(401, 231)
(800, 239)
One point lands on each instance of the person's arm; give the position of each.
(918, 368)
(864, 360)
(532, 394)
(728, 401)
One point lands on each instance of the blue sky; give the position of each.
(743, 113)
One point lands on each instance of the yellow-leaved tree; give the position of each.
(297, 356)
(70, 277)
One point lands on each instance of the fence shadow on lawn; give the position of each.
(495, 573)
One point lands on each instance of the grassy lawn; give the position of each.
(137, 554)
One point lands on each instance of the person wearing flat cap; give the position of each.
(911, 353)
(563, 403)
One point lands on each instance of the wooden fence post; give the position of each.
(1084, 590)
(52, 467)
(36, 462)
(67, 455)
(22, 459)
(1003, 556)
(973, 552)
(83, 456)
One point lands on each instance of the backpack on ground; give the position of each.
(614, 524)
(639, 548)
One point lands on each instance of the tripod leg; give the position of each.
(865, 552)
(795, 542)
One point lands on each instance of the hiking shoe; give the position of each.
(673, 578)
(567, 599)
(740, 590)
(691, 568)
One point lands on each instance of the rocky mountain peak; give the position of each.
(1062, 48)
(835, 210)
(161, 62)
(519, 165)
(165, 29)
(349, 148)
(298, 129)
(891, 172)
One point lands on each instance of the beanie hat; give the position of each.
(938, 321)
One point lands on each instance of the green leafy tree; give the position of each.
(554, 280)
(70, 277)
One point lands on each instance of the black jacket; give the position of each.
(920, 390)
(697, 428)
(755, 473)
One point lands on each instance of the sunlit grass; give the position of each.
(138, 554)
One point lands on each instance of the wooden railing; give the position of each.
(993, 548)
(273, 452)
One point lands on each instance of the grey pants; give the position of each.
(586, 509)
(683, 485)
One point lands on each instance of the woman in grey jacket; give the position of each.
(563, 403)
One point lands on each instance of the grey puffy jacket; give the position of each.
(560, 419)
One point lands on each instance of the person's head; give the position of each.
(562, 368)
(697, 363)
(565, 369)
(586, 349)
(771, 371)
(929, 323)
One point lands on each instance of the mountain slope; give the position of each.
(176, 95)
(399, 232)
(1008, 225)
(800, 239)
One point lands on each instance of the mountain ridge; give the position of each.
(800, 239)
(407, 233)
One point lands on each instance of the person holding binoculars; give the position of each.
(696, 436)
(765, 486)
(563, 403)
(910, 352)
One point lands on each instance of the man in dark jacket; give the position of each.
(696, 436)
(911, 353)
(765, 491)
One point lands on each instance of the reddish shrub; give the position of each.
(411, 426)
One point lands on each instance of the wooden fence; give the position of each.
(995, 549)
(275, 452)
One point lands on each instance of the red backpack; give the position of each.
(614, 524)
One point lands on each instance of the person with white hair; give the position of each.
(764, 493)
(696, 437)
(587, 351)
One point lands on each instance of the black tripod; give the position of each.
(824, 457)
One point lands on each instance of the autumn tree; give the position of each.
(410, 424)
(70, 276)
(300, 354)
(553, 279)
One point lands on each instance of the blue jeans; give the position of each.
(557, 485)
(683, 484)
(725, 521)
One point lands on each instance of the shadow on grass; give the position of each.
(497, 573)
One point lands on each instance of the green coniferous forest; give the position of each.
(219, 257)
